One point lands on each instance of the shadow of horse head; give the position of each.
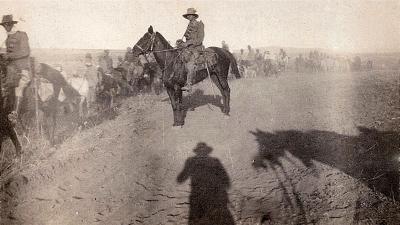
(372, 157)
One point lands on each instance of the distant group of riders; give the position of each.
(318, 62)
(254, 63)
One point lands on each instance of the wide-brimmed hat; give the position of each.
(8, 19)
(191, 11)
(202, 149)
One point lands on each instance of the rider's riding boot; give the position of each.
(188, 86)
(13, 116)
(190, 67)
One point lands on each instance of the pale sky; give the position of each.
(355, 26)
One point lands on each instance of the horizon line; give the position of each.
(237, 50)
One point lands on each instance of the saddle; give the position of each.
(206, 57)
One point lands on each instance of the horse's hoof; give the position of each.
(227, 116)
(176, 127)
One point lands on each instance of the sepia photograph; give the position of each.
(178, 112)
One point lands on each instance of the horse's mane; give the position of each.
(163, 40)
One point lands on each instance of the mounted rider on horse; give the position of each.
(18, 68)
(17, 74)
(194, 36)
(188, 64)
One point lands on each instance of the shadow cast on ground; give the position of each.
(371, 157)
(209, 183)
(198, 98)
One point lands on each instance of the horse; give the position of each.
(283, 62)
(106, 90)
(148, 75)
(120, 76)
(270, 68)
(152, 72)
(48, 99)
(174, 74)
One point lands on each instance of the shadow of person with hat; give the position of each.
(209, 185)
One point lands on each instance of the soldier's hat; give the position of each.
(8, 19)
(191, 11)
(202, 149)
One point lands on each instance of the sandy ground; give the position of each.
(297, 149)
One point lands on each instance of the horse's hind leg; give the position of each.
(223, 86)
(180, 109)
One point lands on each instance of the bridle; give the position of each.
(150, 49)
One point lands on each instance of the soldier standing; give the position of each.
(194, 43)
(18, 68)
(250, 54)
(225, 46)
(129, 55)
(92, 78)
(106, 62)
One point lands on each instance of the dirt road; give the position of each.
(297, 149)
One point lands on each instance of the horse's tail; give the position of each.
(234, 66)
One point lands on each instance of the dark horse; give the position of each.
(48, 107)
(174, 76)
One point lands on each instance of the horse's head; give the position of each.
(151, 42)
(145, 43)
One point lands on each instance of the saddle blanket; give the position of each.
(206, 58)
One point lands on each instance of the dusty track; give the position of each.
(297, 149)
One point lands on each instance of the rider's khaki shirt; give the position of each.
(195, 33)
(18, 50)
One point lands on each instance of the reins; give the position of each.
(149, 49)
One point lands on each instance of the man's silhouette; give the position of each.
(209, 184)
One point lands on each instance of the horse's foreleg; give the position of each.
(80, 107)
(53, 127)
(14, 138)
(180, 108)
(171, 95)
(226, 97)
